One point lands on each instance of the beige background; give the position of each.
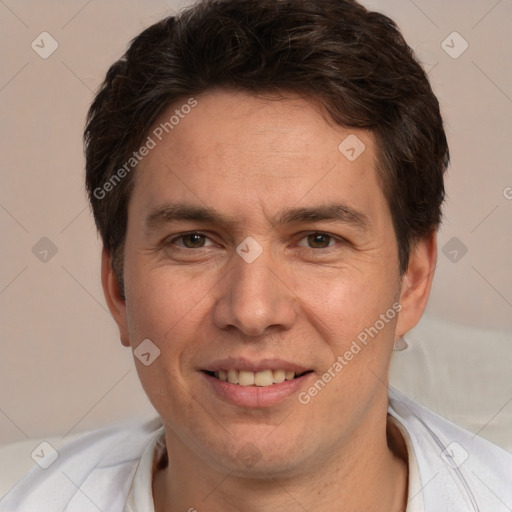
(62, 368)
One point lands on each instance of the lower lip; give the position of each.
(255, 396)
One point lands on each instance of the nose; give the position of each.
(255, 297)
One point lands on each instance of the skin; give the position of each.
(303, 300)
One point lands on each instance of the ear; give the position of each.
(112, 291)
(417, 283)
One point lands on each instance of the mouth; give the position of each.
(264, 378)
(254, 382)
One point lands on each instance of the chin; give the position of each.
(253, 457)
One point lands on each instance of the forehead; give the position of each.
(240, 152)
(256, 126)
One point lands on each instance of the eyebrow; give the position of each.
(333, 212)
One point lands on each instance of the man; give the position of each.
(267, 178)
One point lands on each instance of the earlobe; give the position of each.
(417, 283)
(113, 296)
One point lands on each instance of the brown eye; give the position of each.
(319, 240)
(190, 240)
(193, 240)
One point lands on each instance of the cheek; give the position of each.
(345, 303)
(160, 300)
(356, 318)
(165, 312)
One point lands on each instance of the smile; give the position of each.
(256, 389)
(262, 378)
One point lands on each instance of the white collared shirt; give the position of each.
(111, 469)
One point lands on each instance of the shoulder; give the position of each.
(93, 471)
(455, 465)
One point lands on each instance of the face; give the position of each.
(255, 248)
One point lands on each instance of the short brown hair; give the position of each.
(354, 61)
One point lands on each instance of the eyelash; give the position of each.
(340, 240)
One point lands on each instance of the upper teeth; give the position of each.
(263, 378)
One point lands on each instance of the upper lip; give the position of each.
(252, 365)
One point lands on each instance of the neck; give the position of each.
(367, 473)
